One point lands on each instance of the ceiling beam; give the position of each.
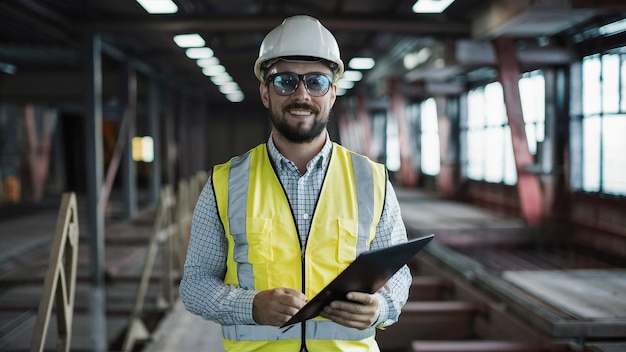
(529, 18)
(45, 12)
(180, 23)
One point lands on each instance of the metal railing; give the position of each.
(60, 281)
(170, 236)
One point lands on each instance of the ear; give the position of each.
(333, 94)
(263, 91)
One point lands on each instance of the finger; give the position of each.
(275, 306)
(291, 301)
(352, 307)
(352, 314)
(294, 292)
(279, 313)
(346, 319)
(360, 297)
(294, 296)
(286, 310)
(353, 311)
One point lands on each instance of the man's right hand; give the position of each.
(276, 306)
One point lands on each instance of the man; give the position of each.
(272, 227)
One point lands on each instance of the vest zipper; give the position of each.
(303, 337)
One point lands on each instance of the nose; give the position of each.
(301, 94)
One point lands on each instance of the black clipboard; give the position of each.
(367, 273)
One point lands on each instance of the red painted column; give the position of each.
(445, 181)
(38, 151)
(528, 185)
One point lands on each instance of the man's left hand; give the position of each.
(360, 311)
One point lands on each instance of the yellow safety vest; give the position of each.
(264, 249)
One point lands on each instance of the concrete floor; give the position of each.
(24, 251)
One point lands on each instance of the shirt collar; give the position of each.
(320, 160)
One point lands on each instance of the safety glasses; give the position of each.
(286, 83)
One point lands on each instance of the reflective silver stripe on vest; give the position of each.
(237, 204)
(315, 330)
(364, 179)
(327, 330)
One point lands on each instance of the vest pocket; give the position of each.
(254, 245)
(347, 231)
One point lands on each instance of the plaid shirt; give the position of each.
(202, 288)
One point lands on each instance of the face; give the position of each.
(299, 117)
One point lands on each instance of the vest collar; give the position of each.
(283, 164)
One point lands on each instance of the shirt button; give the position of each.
(305, 216)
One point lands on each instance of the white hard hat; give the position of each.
(299, 36)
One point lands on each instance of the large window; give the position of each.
(393, 159)
(485, 135)
(430, 152)
(603, 166)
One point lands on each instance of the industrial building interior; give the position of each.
(500, 123)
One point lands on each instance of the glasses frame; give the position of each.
(301, 78)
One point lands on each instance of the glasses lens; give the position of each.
(317, 84)
(285, 83)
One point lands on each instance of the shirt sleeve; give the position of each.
(202, 289)
(390, 231)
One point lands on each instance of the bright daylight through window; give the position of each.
(485, 133)
(602, 124)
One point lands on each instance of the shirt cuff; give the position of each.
(383, 308)
(243, 313)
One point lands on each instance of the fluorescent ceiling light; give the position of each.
(613, 28)
(235, 97)
(414, 59)
(221, 78)
(210, 61)
(189, 40)
(361, 63)
(213, 70)
(199, 53)
(353, 76)
(228, 88)
(345, 84)
(7, 68)
(431, 6)
(156, 7)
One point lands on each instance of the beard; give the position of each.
(298, 134)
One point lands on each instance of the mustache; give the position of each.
(313, 108)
